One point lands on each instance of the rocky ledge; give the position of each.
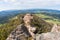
(48, 36)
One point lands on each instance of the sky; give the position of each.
(29, 4)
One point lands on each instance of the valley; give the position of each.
(50, 19)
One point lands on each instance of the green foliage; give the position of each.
(41, 24)
(6, 29)
(48, 18)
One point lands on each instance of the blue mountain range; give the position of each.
(13, 12)
(4, 15)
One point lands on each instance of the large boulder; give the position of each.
(48, 36)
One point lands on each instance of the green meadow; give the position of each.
(48, 18)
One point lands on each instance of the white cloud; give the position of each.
(11, 4)
(8, 0)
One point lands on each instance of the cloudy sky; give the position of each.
(29, 4)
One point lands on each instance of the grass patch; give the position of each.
(49, 19)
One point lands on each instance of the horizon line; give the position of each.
(28, 9)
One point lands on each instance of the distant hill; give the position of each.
(5, 15)
(11, 12)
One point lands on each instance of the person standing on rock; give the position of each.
(24, 31)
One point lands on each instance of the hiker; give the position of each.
(24, 31)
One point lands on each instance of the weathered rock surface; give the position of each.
(53, 35)
(48, 36)
(56, 28)
(20, 33)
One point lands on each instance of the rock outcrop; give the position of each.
(56, 28)
(48, 36)
(53, 35)
(20, 33)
